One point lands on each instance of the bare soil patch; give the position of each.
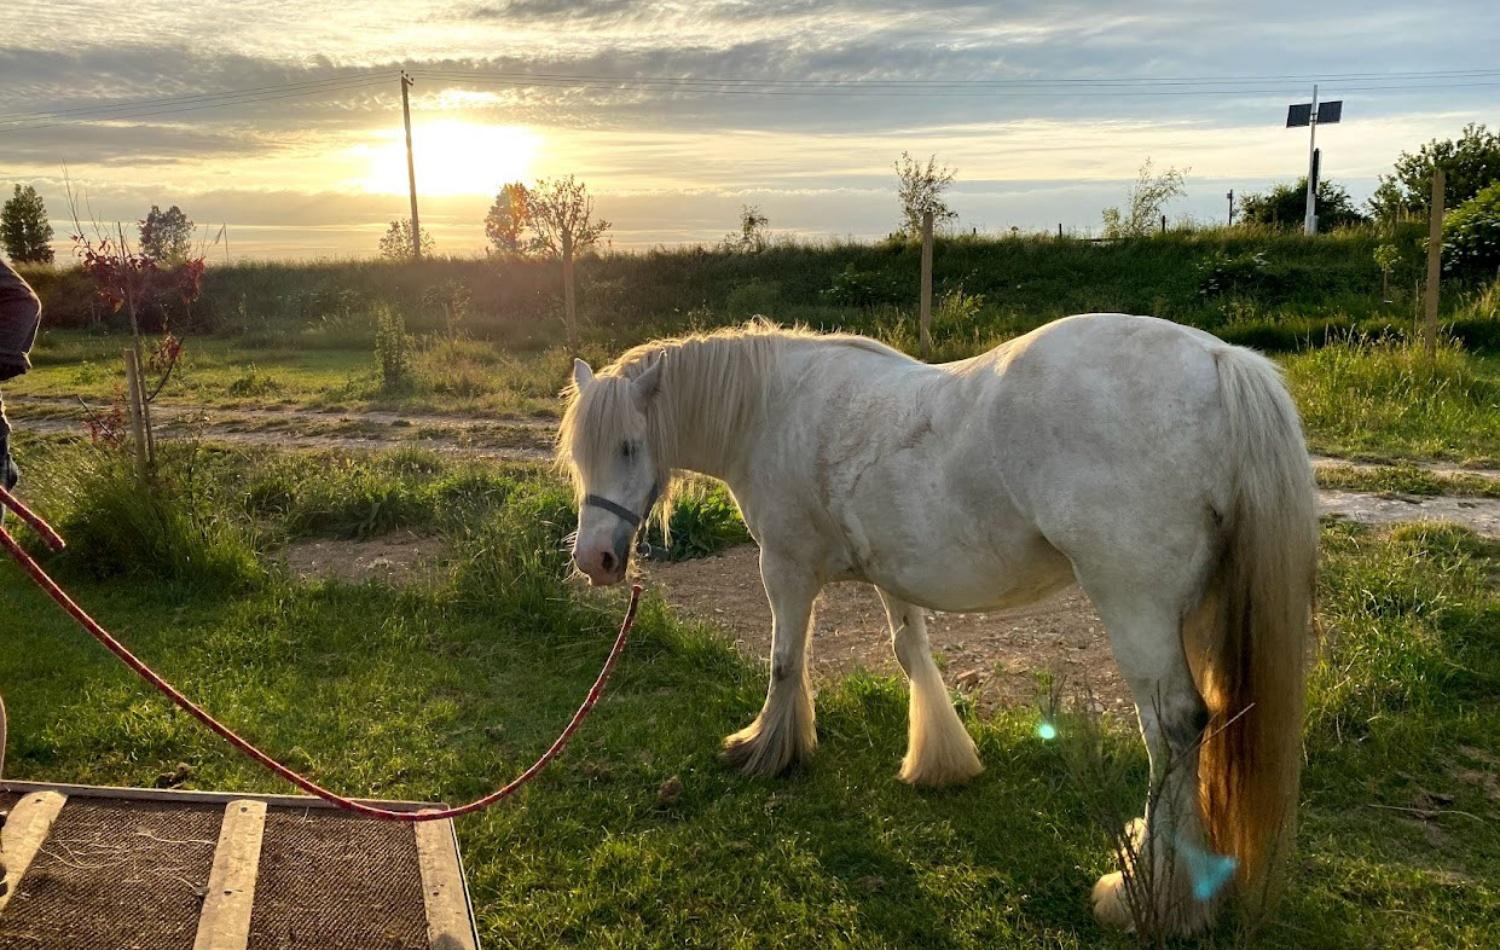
(996, 658)
(392, 559)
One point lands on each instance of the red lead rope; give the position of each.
(145, 672)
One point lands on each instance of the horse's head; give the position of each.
(606, 443)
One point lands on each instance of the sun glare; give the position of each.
(452, 158)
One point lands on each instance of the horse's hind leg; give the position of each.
(784, 732)
(938, 749)
(1175, 881)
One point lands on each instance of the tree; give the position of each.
(1470, 163)
(166, 236)
(1145, 201)
(508, 219)
(751, 238)
(1285, 205)
(395, 244)
(562, 215)
(1471, 235)
(24, 228)
(920, 190)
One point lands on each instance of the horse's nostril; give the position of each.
(607, 561)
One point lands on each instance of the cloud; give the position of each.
(784, 129)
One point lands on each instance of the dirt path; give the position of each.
(997, 658)
(1437, 468)
(530, 439)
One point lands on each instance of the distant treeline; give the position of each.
(1265, 287)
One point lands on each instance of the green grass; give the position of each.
(461, 376)
(1387, 400)
(442, 690)
(1408, 480)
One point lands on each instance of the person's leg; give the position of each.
(8, 473)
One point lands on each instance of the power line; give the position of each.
(928, 92)
(168, 100)
(922, 83)
(1008, 87)
(349, 86)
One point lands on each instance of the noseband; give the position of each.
(636, 521)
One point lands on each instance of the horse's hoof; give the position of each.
(1110, 907)
(748, 756)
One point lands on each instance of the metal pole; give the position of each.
(925, 305)
(1434, 261)
(411, 170)
(1310, 219)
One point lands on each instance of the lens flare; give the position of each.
(1210, 872)
(1046, 731)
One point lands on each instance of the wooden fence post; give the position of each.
(1434, 262)
(925, 304)
(133, 403)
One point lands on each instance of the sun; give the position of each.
(452, 158)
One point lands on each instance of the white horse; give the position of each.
(1158, 467)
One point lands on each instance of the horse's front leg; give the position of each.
(784, 732)
(939, 750)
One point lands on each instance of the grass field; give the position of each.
(441, 689)
(444, 687)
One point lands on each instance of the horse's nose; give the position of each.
(601, 567)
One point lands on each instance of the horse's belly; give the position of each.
(962, 578)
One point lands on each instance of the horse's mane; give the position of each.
(712, 386)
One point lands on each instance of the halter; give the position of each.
(636, 521)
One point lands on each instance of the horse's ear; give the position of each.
(583, 374)
(648, 383)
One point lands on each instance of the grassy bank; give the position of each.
(1272, 289)
(441, 689)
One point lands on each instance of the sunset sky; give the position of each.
(283, 120)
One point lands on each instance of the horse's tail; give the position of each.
(1254, 623)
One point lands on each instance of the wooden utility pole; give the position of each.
(1230, 196)
(411, 169)
(1434, 261)
(925, 304)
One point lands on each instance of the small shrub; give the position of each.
(956, 310)
(392, 347)
(171, 528)
(704, 521)
(253, 383)
(1471, 235)
(753, 298)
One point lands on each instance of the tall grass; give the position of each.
(1230, 280)
(1386, 397)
